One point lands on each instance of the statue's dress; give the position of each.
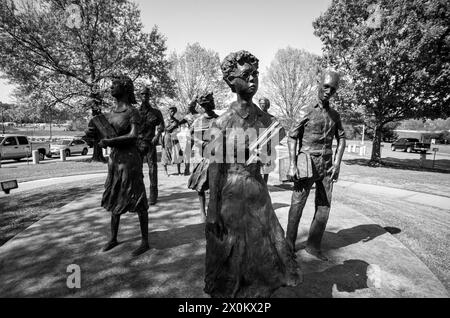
(124, 186)
(199, 178)
(246, 251)
(170, 144)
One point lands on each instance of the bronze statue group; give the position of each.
(247, 251)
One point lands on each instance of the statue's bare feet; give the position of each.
(110, 245)
(141, 249)
(317, 253)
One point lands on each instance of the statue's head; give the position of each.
(329, 83)
(123, 88)
(206, 101)
(145, 93)
(264, 104)
(172, 111)
(240, 72)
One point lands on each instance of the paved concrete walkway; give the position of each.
(437, 201)
(365, 260)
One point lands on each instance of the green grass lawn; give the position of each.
(42, 133)
(23, 173)
(402, 177)
(425, 230)
(20, 210)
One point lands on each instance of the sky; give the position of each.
(260, 27)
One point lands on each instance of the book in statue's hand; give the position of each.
(104, 127)
(304, 167)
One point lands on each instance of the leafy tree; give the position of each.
(432, 125)
(5, 113)
(197, 70)
(290, 83)
(387, 133)
(61, 52)
(395, 55)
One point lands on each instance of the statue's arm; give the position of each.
(292, 148)
(132, 136)
(121, 140)
(160, 128)
(214, 150)
(294, 144)
(341, 139)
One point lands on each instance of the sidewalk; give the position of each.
(436, 201)
(31, 185)
(365, 260)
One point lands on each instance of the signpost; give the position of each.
(434, 157)
(7, 186)
(434, 149)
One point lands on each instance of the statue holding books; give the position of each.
(124, 186)
(246, 252)
(311, 162)
(151, 129)
(199, 179)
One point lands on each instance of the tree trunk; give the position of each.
(51, 120)
(98, 153)
(376, 145)
(96, 110)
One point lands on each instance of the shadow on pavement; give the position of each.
(348, 277)
(176, 237)
(77, 237)
(277, 206)
(361, 233)
(392, 230)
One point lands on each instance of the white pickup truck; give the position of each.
(18, 147)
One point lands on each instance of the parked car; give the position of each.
(70, 147)
(410, 145)
(18, 147)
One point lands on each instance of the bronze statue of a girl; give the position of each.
(246, 251)
(124, 186)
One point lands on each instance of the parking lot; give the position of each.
(399, 157)
(29, 161)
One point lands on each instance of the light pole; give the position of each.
(3, 119)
